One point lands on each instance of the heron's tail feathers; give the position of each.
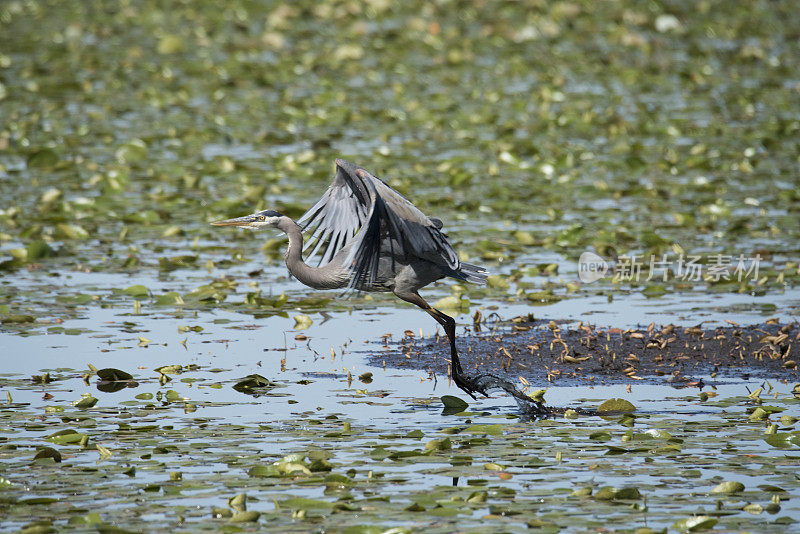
(473, 273)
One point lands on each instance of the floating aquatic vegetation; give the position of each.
(607, 126)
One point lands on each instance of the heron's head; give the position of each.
(256, 221)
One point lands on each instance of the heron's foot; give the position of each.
(467, 384)
(474, 384)
(485, 382)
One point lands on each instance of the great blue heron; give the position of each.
(372, 239)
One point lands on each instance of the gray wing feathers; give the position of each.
(335, 218)
(360, 208)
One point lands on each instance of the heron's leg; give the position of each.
(447, 322)
(449, 325)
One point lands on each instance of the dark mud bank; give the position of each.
(544, 352)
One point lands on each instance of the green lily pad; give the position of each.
(609, 494)
(654, 291)
(71, 231)
(48, 452)
(788, 420)
(302, 322)
(730, 486)
(43, 158)
(302, 503)
(616, 406)
(138, 291)
(443, 444)
(695, 524)
(169, 369)
(252, 383)
(65, 437)
(38, 249)
(245, 517)
(17, 319)
(169, 299)
(134, 151)
(113, 375)
(492, 430)
(453, 405)
(86, 401)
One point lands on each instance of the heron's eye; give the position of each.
(261, 217)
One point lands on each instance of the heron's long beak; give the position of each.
(247, 220)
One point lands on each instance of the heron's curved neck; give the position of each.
(316, 277)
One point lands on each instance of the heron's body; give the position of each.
(395, 273)
(371, 239)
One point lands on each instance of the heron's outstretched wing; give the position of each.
(361, 209)
(336, 217)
